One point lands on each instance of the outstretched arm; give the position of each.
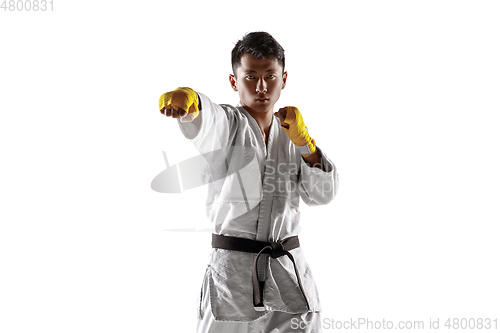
(209, 126)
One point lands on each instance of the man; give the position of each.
(257, 279)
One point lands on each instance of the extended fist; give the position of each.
(182, 102)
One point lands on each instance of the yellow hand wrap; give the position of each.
(182, 98)
(297, 131)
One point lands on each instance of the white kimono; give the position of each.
(254, 194)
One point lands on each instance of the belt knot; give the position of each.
(277, 249)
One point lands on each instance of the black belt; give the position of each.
(275, 249)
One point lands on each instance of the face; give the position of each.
(259, 83)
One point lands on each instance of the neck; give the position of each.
(263, 119)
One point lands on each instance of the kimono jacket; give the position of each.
(253, 193)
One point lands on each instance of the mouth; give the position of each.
(261, 99)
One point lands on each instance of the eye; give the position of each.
(249, 77)
(272, 76)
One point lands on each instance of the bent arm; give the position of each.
(318, 184)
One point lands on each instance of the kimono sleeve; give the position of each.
(215, 127)
(318, 187)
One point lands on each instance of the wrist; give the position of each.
(307, 149)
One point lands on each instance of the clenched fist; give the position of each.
(182, 102)
(293, 124)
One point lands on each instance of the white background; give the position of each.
(403, 96)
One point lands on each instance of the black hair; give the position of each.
(260, 45)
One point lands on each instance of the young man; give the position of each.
(257, 279)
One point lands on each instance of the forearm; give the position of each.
(314, 160)
(318, 186)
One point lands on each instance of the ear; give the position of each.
(285, 75)
(232, 81)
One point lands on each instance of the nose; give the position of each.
(261, 86)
